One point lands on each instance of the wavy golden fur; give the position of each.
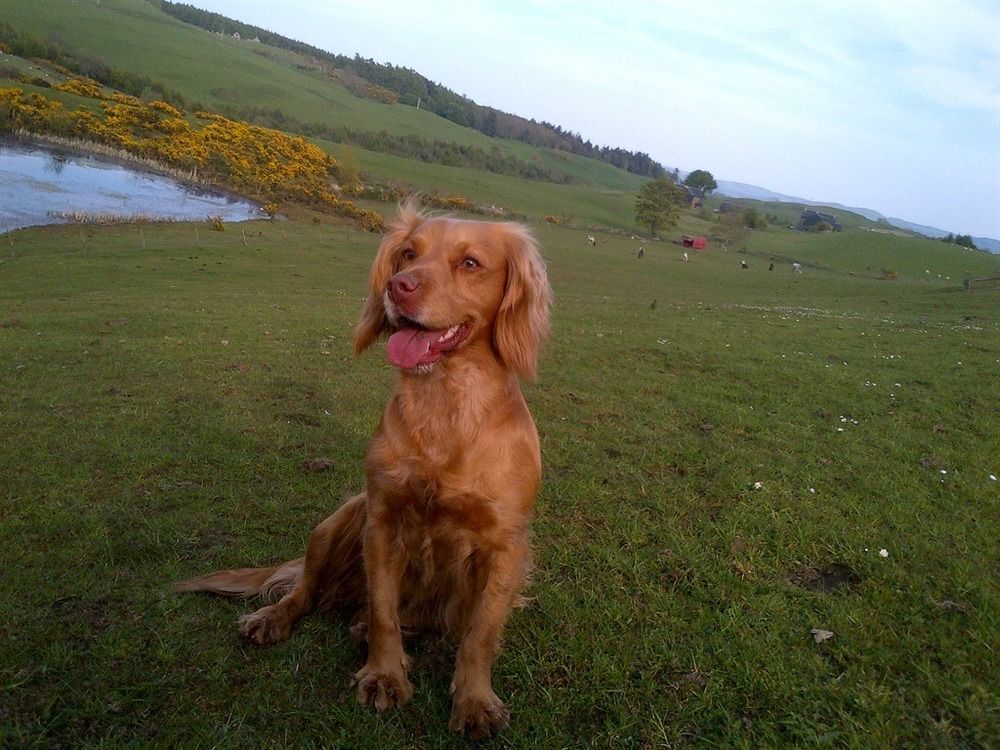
(439, 539)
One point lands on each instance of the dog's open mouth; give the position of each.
(414, 346)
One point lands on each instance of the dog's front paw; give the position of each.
(478, 716)
(383, 688)
(266, 625)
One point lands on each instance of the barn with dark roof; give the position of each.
(810, 218)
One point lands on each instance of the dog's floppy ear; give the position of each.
(373, 320)
(522, 320)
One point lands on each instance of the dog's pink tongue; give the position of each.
(411, 347)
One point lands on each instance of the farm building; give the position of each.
(695, 196)
(698, 243)
(811, 218)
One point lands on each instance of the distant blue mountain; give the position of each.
(752, 192)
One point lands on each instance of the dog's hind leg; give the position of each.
(330, 571)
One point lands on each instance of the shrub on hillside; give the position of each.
(81, 87)
(754, 219)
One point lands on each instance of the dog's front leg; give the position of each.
(476, 709)
(382, 682)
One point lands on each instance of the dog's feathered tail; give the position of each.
(334, 554)
(270, 584)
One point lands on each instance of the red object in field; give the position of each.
(698, 243)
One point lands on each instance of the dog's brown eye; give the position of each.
(470, 263)
(408, 255)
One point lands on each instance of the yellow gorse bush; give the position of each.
(81, 87)
(24, 111)
(255, 161)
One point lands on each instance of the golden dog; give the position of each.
(439, 538)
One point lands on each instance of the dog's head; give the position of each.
(438, 284)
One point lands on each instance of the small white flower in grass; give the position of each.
(758, 485)
(993, 477)
(812, 490)
(883, 552)
(944, 471)
(840, 429)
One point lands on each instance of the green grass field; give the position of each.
(160, 391)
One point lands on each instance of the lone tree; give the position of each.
(699, 178)
(733, 228)
(658, 204)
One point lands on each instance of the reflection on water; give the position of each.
(36, 182)
(55, 163)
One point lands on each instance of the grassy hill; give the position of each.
(228, 74)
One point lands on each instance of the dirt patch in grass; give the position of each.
(826, 580)
(302, 419)
(317, 464)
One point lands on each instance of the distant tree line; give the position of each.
(413, 89)
(409, 146)
(61, 54)
(964, 240)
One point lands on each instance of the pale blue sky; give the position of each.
(893, 106)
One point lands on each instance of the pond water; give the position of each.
(37, 182)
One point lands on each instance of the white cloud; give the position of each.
(951, 87)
